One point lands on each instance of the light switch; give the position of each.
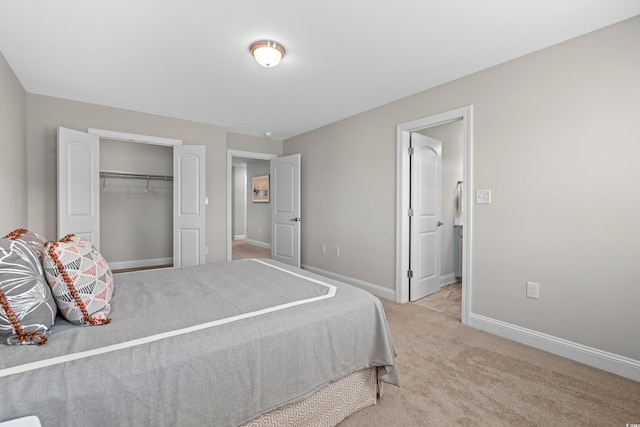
(483, 196)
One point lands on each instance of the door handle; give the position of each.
(439, 223)
(295, 219)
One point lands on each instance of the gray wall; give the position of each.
(45, 114)
(555, 139)
(239, 201)
(258, 214)
(255, 144)
(13, 142)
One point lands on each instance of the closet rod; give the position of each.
(115, 174)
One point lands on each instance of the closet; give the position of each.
(136, 204)
(152, 189)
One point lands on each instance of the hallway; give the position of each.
(243, 250)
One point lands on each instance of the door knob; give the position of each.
(439, 223)
(295, 219)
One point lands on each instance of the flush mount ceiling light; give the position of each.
(268, 53)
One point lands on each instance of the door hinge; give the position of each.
(410, 274)
(410, 212)
(411, 151)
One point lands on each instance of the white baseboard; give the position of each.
(448, 279)
(121, 265)
(377, 290)
(260, 244)
(620, 365)
(240, 237)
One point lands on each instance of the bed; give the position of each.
(250, 342)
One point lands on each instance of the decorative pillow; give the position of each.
(27, 307)
(33, 240)
(80, 279)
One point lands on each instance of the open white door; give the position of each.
(425, 222)
(285, 209)
(79, 185)
(188, 205)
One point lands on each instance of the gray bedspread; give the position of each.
(210, 345)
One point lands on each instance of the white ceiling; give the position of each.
(189, 58)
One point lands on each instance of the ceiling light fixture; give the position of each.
(267, 53)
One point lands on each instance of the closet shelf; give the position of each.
(131, 175)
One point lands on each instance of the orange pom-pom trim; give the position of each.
(17, 326)
(16, 234)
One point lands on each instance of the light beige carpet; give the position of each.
(447, 300)
(452, 374)
(242, 250)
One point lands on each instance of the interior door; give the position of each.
(285, 209)
(79, 185)
(425, 221)
(189, 200)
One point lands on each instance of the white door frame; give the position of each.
(134, 137)
(230, 155)
(403, 131)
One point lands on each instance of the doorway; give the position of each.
(239, 159)
(136, 204)
(250, 222)
(464, 115)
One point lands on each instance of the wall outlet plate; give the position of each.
(483, 196)
(533, 290)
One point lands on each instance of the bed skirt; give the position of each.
(329, 405)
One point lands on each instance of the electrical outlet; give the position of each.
(323, 248)
(533, 290)
(336, 251)
(483, 196)
(259, 229)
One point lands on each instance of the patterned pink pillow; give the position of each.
(80, 280)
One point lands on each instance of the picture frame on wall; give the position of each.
(260, 189)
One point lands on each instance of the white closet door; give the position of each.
(188, 205)
(79, 185)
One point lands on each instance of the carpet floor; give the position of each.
(451, 374)
(240, 249)
(447, 300)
